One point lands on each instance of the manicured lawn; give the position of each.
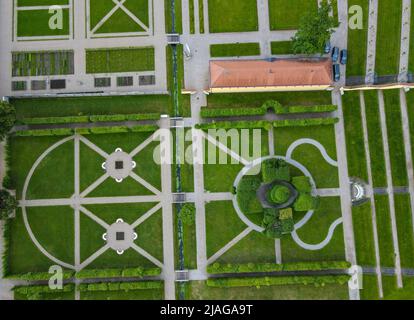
(22, 157)
(364, 237)
(153, 294)
(35, 23)
(61, 107)
(29, 3)
(54, 228)
(411, 61)
(391, 292)
(258, 99)
(23, 255)
(370, 288)
(281, 47)
(235, 49)
(325, 175)
(222, 225)
(410, 109)
(90, 237)
(388, 37)
(357, 166)
(198, 290)
(405, 230)
(55, 175)
(220, 177)
(254, 248)
(232, 15)
(286, 15)
(386, 247)
(168, 16)
(395, 138)
(191, 14)
(120, 60)
(357, 43)
(119, 22)
(375, 139)
(314, 232)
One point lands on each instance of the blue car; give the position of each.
(336, 72)
(344, 56)
(327, 47)
(335, 54)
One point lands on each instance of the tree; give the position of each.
(279, 194)
(7, 119)
(188, 214)
(8, 204)
(314, 31)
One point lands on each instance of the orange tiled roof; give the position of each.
(260, 73)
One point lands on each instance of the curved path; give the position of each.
(319, 246)
(314, 143)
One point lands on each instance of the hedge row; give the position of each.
(116, 286)
(277, 281)
(218, 268)
(8, 182)
(85, 131)
(266, 124)
(117, 273)
(207, 112)
(38, 276)
(33, 292)
(6, 241)
(92, 118)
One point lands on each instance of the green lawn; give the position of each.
(325, 175)
(286, 15)
(388, 37)
(119, 22)
(391, 292)
(222, 225)
(410, 109)
(357, 166)
(168, 16)
(120, 60)
(29, 3)
(386, 247)
(198, 290)
(232, 15)
(375, 139)
(234, 100)
(405, 230)
(370, 288)
(35, 23)
(61, 107)
(281, 47)
(314, 232)
(235, 49)
(364, 237)
(411, 61)
(395, 137)
(357, 43)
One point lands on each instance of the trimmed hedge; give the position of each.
(117, 273)
(246, 194)
(92, 118)
(8, 182)
(124, 286)
(85, 131)
(208, 112)
(6, 241)
(34, 292)
(38, 276)
(217, 268)
(257, 282)
(266, 124)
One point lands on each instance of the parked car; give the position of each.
(335, 54)
(344, 56)
(336, 72)
(327, 47)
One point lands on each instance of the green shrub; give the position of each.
(246, 194)
(279, 194)
(304, 122)
(236, 125)
(39, 276)
(121, 286)
(305, 202)
(8, 182)
(44, 132)
(144, 128)
(302, 184)
(218, 268)
(7, 119)
(117, 273)
(275, 169)
(37, 292)
(276, 281)
(56, 120)
(188, 213)
(305, 109)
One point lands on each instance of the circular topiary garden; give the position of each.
(272, 197)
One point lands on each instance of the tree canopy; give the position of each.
(8, 204)
(7, 118)
(314, 31)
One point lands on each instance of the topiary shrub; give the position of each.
(279, 194)
(8, 204)
(275, 169)
(302, 184)
(246, 194)
(305, 202)
(188, 212)
(7, 119)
